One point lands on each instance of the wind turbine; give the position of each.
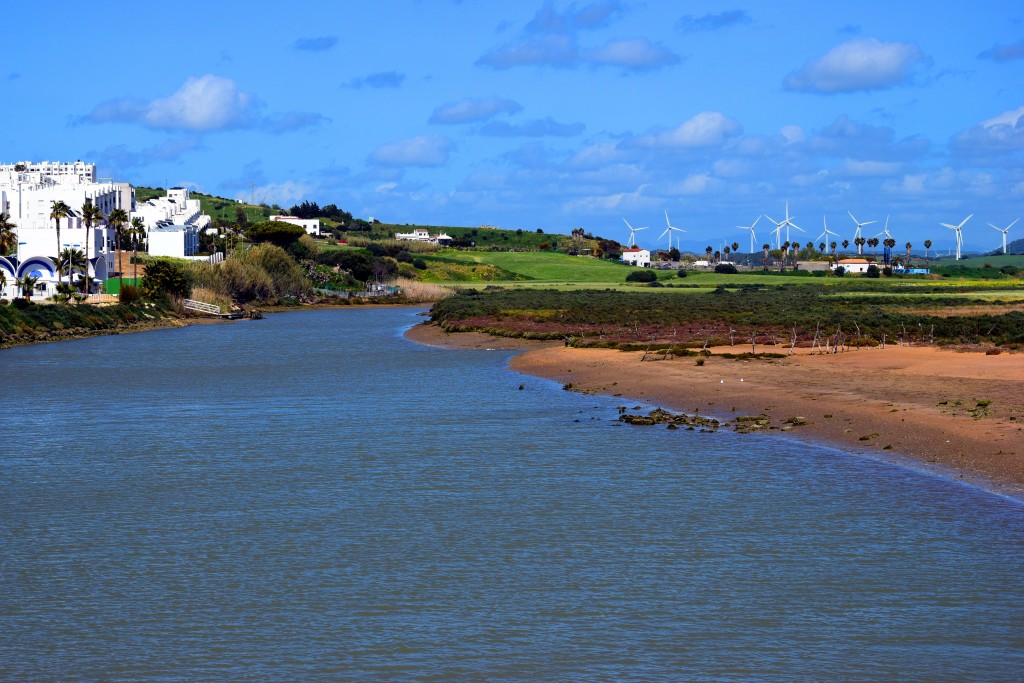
(788, 223)
(856, 233)
(669, 230)
(1004, 231)
(885, 231)
(958, 229)
(632, 232)
(826, 231)
(750, 227)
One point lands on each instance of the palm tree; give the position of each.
(860, 242)
(138, 231)
(735, 247)
(7, 237)
(909, 247)
(90, 214)
(70, 260)
(708, 250)
(873, 243)
(834, 245)
(116, 221)
(766, 248)
(726, 250)
(785, 253)
(27, 284)
(927, 246)
(821, 247)
(57, 211)
(846, 245)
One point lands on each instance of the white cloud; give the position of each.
(638, 54)
(792, 134)
(868, 169)
(423, 150)
(997, 134)
(861, 64)
(202, 104)
(470, 110)
(596, 155)
(283, 194)
(697, 183)
(703, 130)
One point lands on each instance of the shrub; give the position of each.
(681, 272)
(128, 294)
(727, 268)
(165, 278)
(873, 271)
(839, 271)
(275, 232)
(655, 284)
(642, 276)
(887, 271)
(419, 264)
(21, 303)
(404, 257)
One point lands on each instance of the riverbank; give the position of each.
(959, 410)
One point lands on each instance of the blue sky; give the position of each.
(548, 115)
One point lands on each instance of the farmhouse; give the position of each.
(636, 256)
(854, 265)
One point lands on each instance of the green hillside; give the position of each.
(218, 208)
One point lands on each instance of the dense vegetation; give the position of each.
(19, 324)
(617, 318)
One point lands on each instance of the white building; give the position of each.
(423, 235)
(28, 191)
(311, 225)
(635, 256)
(172, 223)
(854, 265)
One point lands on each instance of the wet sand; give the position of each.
(925, 403)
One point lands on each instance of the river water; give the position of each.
(313, 497)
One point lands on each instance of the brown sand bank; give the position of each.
(921, 402)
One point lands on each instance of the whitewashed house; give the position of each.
(423, 235)
(635, 256)
(854, 265)
(310, 225)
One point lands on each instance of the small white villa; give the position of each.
(854, 265)
(423, 235)
(635, 256)
(310, 225)
(45, 271)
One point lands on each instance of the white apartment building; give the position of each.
(172, 223)
(423, 235)
(28, 191)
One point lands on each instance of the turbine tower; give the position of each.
(632, 232)
(788, 223)
(958, 229)
(885, 231)
(669, 230)
(753, 237)
(826, 231)
(1004, 231)
(856, 233)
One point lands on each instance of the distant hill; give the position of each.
(218, 208)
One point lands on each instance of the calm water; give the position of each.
(312, 497)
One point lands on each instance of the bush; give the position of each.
(839, 271)
(404, 257)
(873, 271)
(727, 268)
(642, 276)
(887, 271)
(681, 272)
(165, 278)
(419, 264)
(655, 284)
(21, 303)
(128, 294)
(275, 232)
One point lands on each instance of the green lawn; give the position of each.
(113, 285)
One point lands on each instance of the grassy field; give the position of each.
(997, 261)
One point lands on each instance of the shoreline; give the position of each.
(958, 412)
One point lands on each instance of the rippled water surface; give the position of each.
(312, 497)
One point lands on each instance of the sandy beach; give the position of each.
(962, 411)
